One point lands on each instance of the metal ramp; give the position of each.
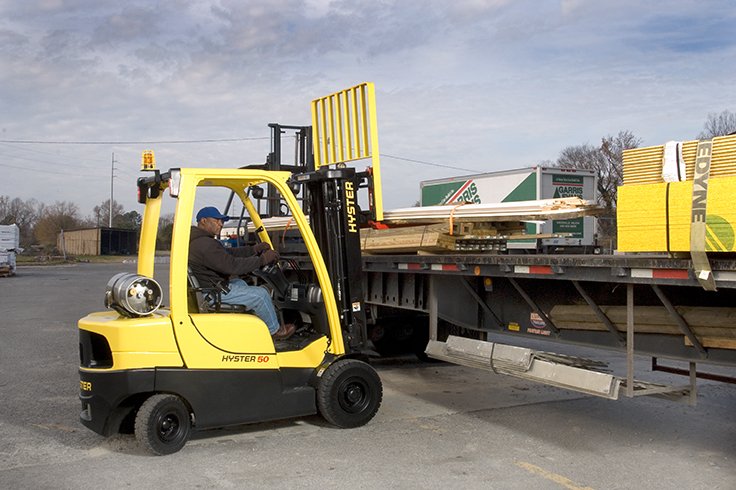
(573, 373)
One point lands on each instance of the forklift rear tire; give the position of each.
(162, 424)
(349, 393)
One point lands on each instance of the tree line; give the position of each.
(40, 223)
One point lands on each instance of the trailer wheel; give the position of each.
(162, 424)
(349, 393)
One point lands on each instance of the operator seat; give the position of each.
(208, 300)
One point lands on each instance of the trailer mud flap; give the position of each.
(553, 369)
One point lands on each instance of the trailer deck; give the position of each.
(518, 295)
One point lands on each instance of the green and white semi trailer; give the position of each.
(525, 184)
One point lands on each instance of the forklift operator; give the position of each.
(216, 266)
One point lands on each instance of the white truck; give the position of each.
(525, 184)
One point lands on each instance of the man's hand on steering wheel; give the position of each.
(269, 257)
(261, 247)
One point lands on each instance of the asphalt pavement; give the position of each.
(440, 426)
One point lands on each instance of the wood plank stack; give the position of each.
(654, 216)
(713, 327)
(657, 217)
(469, 228)
(542, 209)
(436, 238)
(644, 165)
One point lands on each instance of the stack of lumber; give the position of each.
(436, 238)
(657, 217)
(562, 208)
(478, 228)
(713, 327)
(644, 165)
(474, 228)
(654, 216)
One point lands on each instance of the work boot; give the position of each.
(284, 332)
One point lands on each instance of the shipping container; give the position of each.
(525, 184)
(98, 241)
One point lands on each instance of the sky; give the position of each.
(467, 86)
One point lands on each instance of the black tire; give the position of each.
(163, 424)
(349, 393)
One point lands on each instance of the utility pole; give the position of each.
(112, 177)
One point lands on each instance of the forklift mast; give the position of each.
(344, 129)
(334, 218)
(303, 161)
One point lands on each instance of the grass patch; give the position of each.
(21, 260)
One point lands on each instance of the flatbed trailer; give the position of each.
(519, 296)
(637, 304)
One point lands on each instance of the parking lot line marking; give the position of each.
(559, 479)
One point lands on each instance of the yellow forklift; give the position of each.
(161, 372)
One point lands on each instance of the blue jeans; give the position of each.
(254, 298)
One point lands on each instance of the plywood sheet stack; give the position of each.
(654, 216)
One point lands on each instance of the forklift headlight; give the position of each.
(133, 295)
(174, 182)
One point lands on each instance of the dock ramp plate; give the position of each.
(574, 373)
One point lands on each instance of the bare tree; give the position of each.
(718, 125)
(101, 213)
(606, 161)
(165, 231)
(22, 213)
(62, 215)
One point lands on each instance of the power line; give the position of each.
(153, 142)
(47, 142)
(54, 154)
(429, 163)
(34, 169)
(36, 160)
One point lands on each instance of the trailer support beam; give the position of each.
(481, 302)
(600, 314)
(553, 328)
(693, 384)
(681, 323)
(433, 308)
(630, 340)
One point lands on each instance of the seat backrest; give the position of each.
(200, 300)
(196, 298)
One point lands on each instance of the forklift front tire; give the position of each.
(349, 393)
(163, 425)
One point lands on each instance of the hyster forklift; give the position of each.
(198, 364)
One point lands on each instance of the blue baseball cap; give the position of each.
(211, 212)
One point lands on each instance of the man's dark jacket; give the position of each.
(212, 263)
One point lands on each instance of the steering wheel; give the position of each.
(273, 275)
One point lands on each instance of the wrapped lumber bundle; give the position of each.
(644, 165)
(658, 217)
(692, 211)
